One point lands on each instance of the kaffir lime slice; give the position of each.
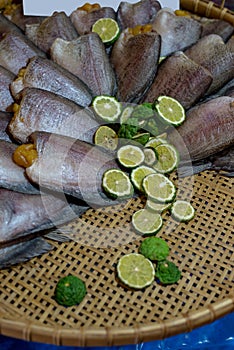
(126, 114)
(130, 156)
(138, 174)
(170, 110)
(182, 210)
(106, 137)
(155, 141)
(135, 270)
(107, 107)
(150, 156)
(117, 184)
(158, 207)
(146, 222)
(168, 158)
(159, 188)
(107, 28)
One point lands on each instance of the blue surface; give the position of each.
(218, 335)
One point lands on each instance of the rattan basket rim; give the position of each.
(112, 336)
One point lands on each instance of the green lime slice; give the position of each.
(138, 174)
(158, 207)
(135, 270)
(182, 211)
(107, 107)
(126, 114)
(130, 156)
(106, 137)
(154, 248)
(168, 158)
(108, 30)
(159, 188)
(155, 141)
(117, 184)
(150, 156)
(170, 110)
(147, 222)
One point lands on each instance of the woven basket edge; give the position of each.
(116, 336)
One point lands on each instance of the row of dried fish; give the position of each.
(51, 68)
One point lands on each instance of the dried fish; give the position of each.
(181, 78)
(134, 69)
(87, 59)
(46, 111)
(47, 75)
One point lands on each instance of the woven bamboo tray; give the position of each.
(111, 314)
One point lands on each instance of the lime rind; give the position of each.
(130, 156)
(135, 271)
(159, 188)
(154, 248)
(182, 211)
(147, 222)
(170, 111)
(117, 184)
(138, 174)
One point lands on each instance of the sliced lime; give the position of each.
(117, 184)
(158, 207)
(126, 114)
(130, 156)
(170, 110)
(155, 141)
(107, 28)
(106, 137)
(147, 222)
(107, 107)
(150, 156)
(159, 188)
(182, 210)
(135, 270)
(168, 158)
(138, 174)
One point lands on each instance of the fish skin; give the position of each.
(6, 99)
(177, 32)
(77, 169)
(16, 50)
(23, 216)
(181, 78)
(216, 26)
(7, 26)
(212, 53)
(222, 162)
(139, 13)
(45, 74)
(22, 252)
(83, 20)
(5, 118)
(208, 129)
(134, 69)
(58, 25)
(43, 110)
(87, 59)
(13, 176)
